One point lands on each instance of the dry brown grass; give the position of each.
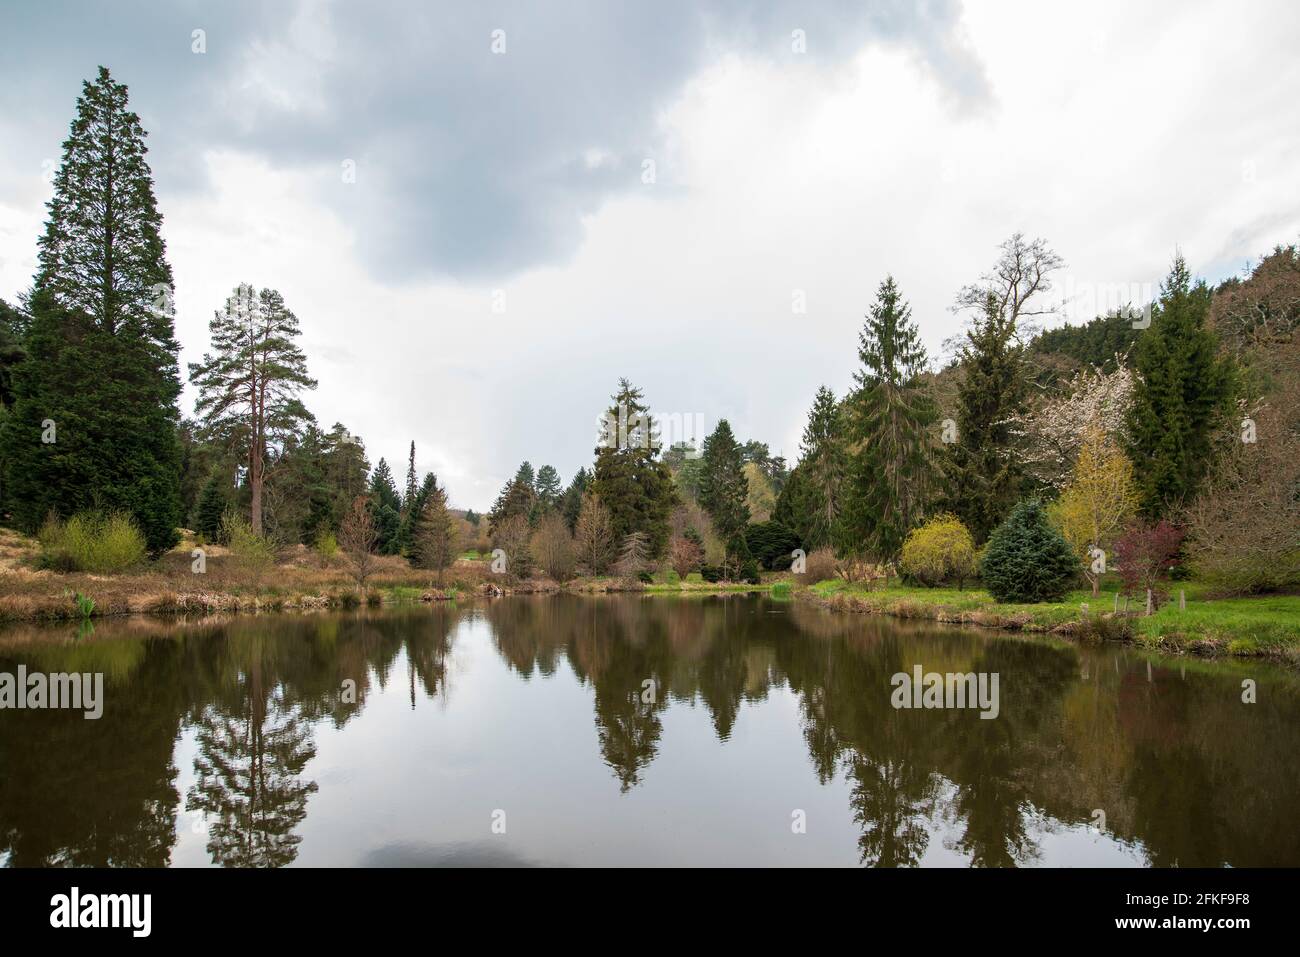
(300, 579)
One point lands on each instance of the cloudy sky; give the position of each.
(484, 214)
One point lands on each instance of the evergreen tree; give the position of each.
(1027, 559)
(471, 517)
(11, 351)
(211, 508)
(433, 541)
(629, 478)
(823, 465)
(94, 416)
(345, 468)
(412, 488)
(525, 475)
(249, 384)
(1182, 393)
(723, 486)
(298, 502)
(571, 500)
(981, 478)
(517, 498)
(385, 508)
(887, 420)
(548, 487)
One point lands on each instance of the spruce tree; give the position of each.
(887, 420)
(981, 478)
(723, 485)
(211, 508)
(412, 486)
(823, 466)
(571, 500)
(385, 510)
(1182, 392)
(516, 499)
(629, 478)
(249, 384)
(94, 417)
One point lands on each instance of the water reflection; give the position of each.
(230, 713)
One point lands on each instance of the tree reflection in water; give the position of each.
(1186, 774)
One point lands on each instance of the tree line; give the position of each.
(1175, 418)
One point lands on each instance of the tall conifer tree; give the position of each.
(887, 420)
(723, 485)
(1182, 393)
(94, 419)
(629, 477)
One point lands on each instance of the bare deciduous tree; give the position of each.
(552, 546)
(1016, 283)
(594, 536)
(358, 537)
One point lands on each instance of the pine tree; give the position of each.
(981, 478)
(723, 485)
(526, 476)
(211, 508)
(822, 465)
(94, 417)
(249, 384)
(1182, 392)
(887, 418)
(629, 477)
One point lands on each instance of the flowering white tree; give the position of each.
(1049, 436)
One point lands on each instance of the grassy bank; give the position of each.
(299, 579)
(1265, 626)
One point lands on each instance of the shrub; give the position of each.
(819, 566)
(552, 547)
(749, 571)
(685, 555)
(771, 544)
(711, 573)
(98, 542)
(645, 577)
(1143, 557)
(1027, 559)
(327, 545)
(254, 552)
(940, 551)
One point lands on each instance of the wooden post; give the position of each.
(1148, 601)
(1182, 600)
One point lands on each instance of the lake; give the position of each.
(637, 730)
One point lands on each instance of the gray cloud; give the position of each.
(468, 164)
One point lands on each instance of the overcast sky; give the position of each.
(646, 190)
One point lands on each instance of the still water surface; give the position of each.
(241, 742)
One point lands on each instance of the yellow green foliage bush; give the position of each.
(938, 552)
(98, 542)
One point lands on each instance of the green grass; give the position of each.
(1266, 625)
